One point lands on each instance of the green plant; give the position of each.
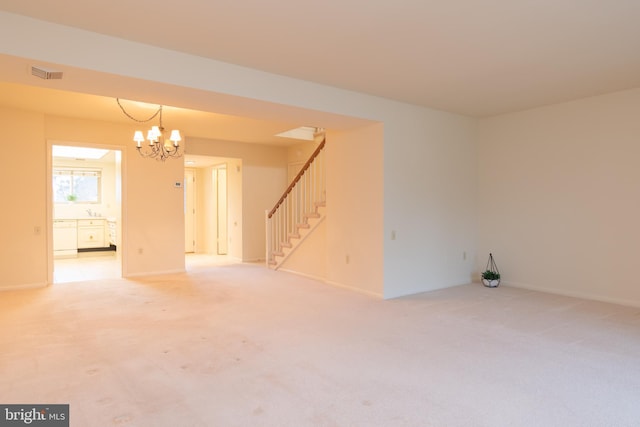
(490, 275)
(72, 197)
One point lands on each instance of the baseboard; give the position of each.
(353, 288)
(308, 276)
(331, 283)
(99, 249)
(581, 295)
(24, 287)
(154, 273)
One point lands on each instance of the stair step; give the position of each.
(310, 221)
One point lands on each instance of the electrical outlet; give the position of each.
(464, 255)
(37, 230)
(140, 251)
(346, 259)
(393, 234)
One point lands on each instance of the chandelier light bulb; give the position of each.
(151, 136)
(159, 147)
(138, 137)
(175, 137)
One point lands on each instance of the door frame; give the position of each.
(217, 168)
(121, 235)
(191, 187)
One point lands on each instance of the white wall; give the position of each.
(23, 254)
(355, 209)
(558, 203)
(240, 245)
(204, 206)
(154, 216)
(206, 212)
(151, 199)
(298, 154)
(430, 201)
(428, 187)
(153, 219)
(256, 177)
(310, 258)
(346, 248)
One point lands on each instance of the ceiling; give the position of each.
(194, 123)
(476, 58)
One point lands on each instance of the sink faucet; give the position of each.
(89, 212)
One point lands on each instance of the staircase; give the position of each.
(298, 212)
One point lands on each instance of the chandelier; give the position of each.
(157, 146)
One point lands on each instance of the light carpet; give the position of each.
(241, 345)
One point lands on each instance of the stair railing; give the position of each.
(300, 199)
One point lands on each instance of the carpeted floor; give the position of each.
(240, 345)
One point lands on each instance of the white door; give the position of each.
(189, 211)
(220, 182)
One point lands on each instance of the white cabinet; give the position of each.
(91, 233)
(65, 237)
(111, 227)
(69, 235)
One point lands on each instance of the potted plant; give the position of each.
(72, 198)
(491, 274)
(490, 279)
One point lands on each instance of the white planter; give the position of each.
(491, 283)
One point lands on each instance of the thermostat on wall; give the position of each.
(178, 184)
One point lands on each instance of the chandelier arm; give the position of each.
(158, 148)
(159, 111)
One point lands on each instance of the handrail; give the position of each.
(301, 201)
(297, 178)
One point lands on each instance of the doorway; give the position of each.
(85, 187)
(189, 211)
(220, 213)
(208, 189)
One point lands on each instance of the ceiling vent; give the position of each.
(46, 73)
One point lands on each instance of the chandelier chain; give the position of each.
(137, 120)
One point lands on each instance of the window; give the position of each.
(77, 185)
